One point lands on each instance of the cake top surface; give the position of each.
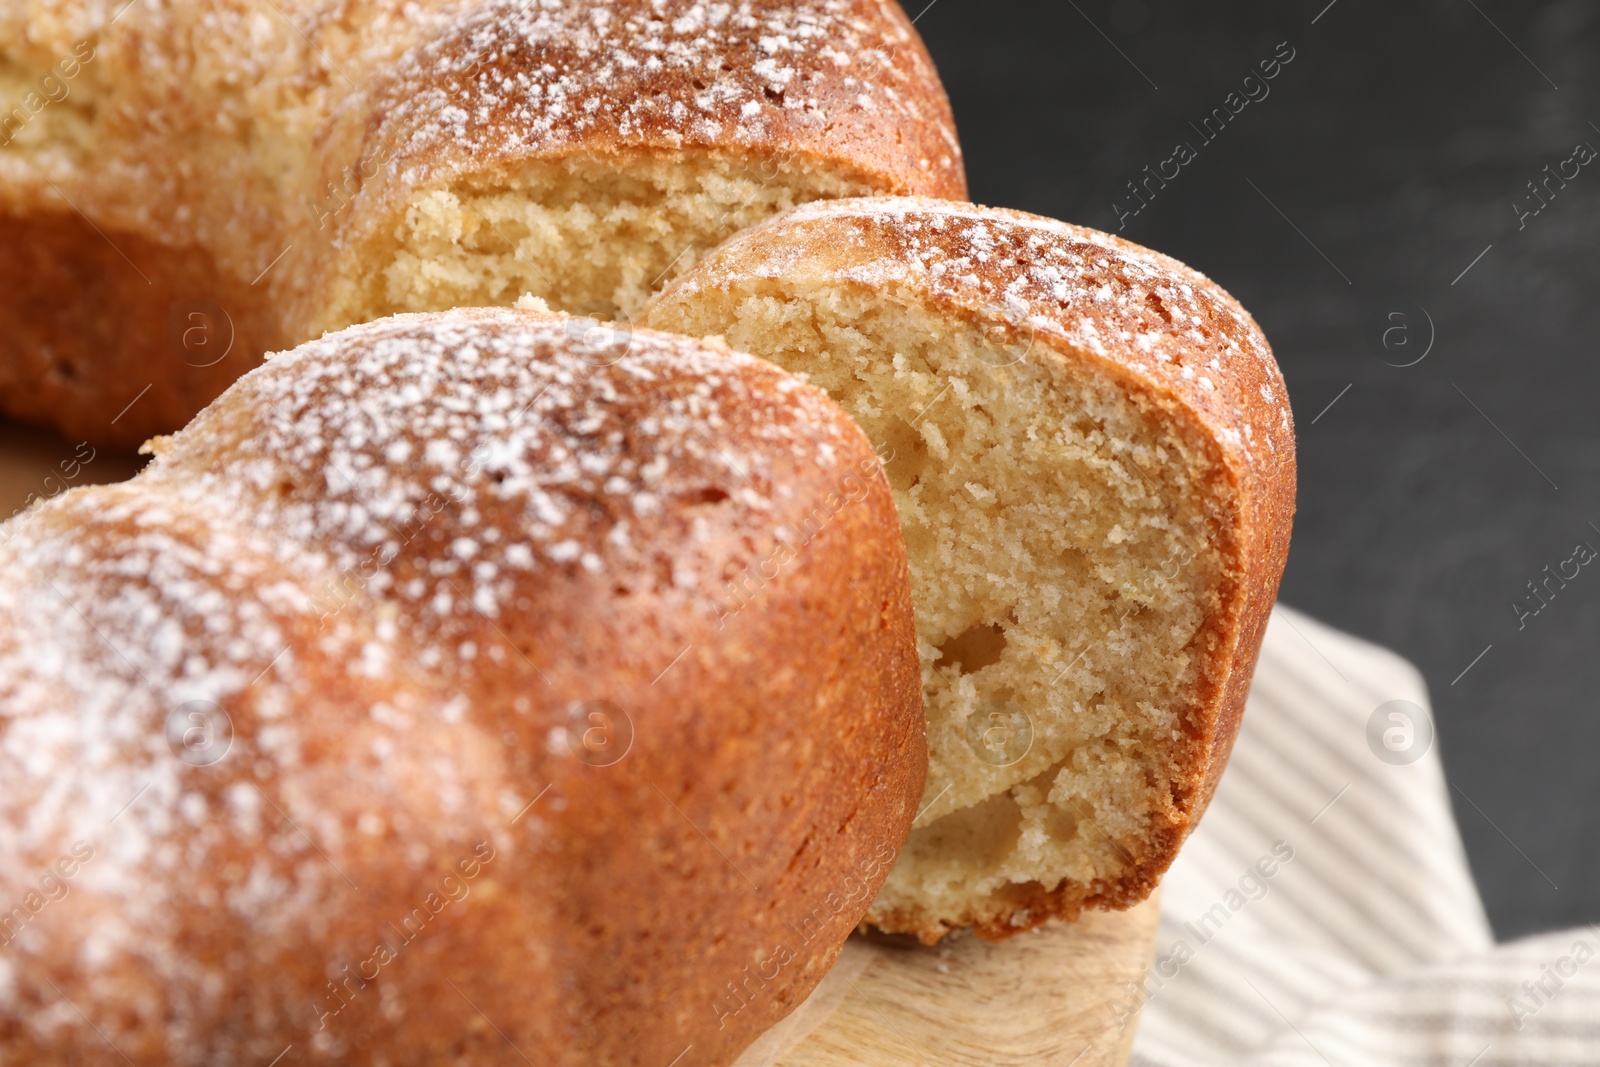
(815, 78)
(1035, 277)
(545, 441)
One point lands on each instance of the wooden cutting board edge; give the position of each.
(1064, 996)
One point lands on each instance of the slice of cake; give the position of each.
(1093, 457)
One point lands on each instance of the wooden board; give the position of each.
(1054, 998)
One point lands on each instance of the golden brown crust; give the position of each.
(106, 352)
(201, 142)
(406, 560)
(1177, 342)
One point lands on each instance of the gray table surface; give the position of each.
(1365, 203)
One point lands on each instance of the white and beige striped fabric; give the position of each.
(1323, 913)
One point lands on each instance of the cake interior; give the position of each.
(1064, 548)
(591, 237)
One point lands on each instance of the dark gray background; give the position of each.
(1395, 143)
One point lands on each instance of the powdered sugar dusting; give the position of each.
(516, 76)
(155, 631)
(536, 443)
(1032, 276)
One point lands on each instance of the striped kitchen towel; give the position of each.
(1323, 913)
